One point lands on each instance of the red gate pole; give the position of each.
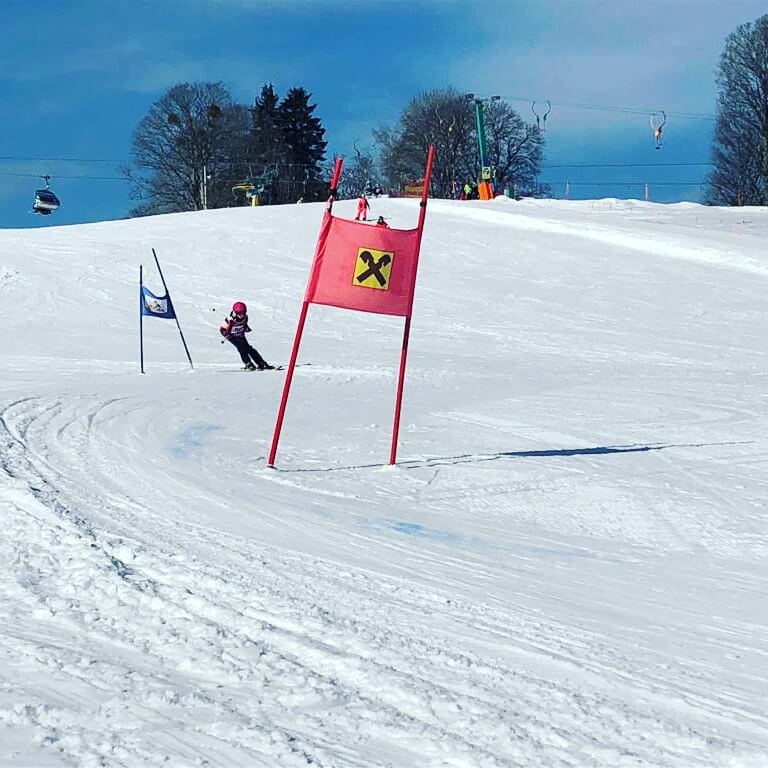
(287, 384)
(407, 328)
(299, 331)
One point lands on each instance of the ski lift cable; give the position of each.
(609, 108)
(546, 166)
(626, 183)
(11, 158)
(627, 165)
(59, 176)
(117, 178)
(241, 164)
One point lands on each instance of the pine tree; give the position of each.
(265, 118)
(266, 142)
(302, 136)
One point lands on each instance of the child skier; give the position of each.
(234, 329)
(380, 222)
(362, 207)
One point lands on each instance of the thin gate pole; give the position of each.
(287, 384)
(175, 316)
(141, 316)
(407, 327)
(299, 331)
(400, 385)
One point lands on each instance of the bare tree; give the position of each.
(187, 149)
(443, 118)
(395, 167)
(740, 151)
(515, 148)
(359, 175)
(446, 118)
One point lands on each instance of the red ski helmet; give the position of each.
(239, 308)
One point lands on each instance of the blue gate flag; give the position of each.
(156, 306)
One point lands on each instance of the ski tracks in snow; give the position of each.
(566, 605)
(139, 638)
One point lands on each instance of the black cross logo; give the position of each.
(374, 267)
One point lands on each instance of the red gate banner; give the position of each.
(371, 269)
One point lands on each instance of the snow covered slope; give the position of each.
(566, 568)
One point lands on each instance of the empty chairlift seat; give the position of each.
(45, 201)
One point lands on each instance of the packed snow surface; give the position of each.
(568, 566)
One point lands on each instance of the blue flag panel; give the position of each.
(156, 306)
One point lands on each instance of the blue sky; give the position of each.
(76, 76)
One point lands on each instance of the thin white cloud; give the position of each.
(94, 60)
(647, 57)
(268, 5)
(241, 73)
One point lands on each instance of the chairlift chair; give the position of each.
(658, 121)
(541, 114)
(46, 201)
(243, 188)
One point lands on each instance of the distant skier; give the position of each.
(381, 223)
(362, 207)
(234, 329)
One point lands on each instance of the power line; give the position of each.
(12, 158)
(87, 177)
(573, 182)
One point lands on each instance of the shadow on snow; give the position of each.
(471, 458)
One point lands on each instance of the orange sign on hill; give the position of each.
(413, 187)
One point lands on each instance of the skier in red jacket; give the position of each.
(233, 329)
(362, 207)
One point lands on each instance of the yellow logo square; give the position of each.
(372, 268)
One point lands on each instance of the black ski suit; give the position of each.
(234, 331)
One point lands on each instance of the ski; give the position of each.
(273, 368)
